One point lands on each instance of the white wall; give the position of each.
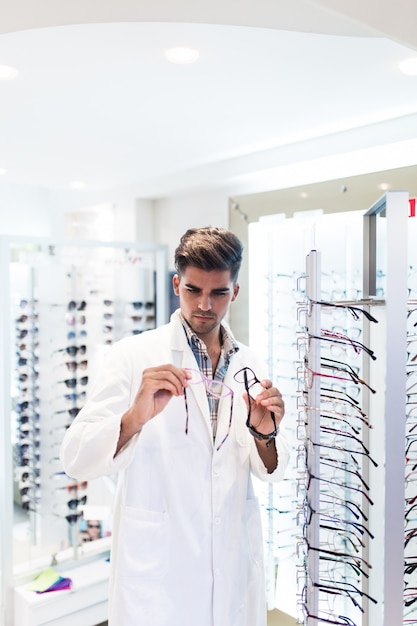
(26, 211)
(117, 215)
(34, 212)
(173, 216)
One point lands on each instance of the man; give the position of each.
(170, 412)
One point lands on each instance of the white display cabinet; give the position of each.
(63, 304)
(85, 604)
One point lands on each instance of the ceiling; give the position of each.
(96, 101)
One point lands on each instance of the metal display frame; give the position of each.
(394, 207)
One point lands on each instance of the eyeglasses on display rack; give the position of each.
(357, 563)
(343, 416)
(338, 530)
(308, 511)
(345, 505)
(72, 412)
(72, 518)
(338, 484)
(25, 332)
(410, 313)
(340, 372)
(27, 404)
(355, 311)
(76, 502)
(73, 320)
(73, 397)
(335, 396)
(73, 350)
(340, 413)
(74, 487)
(340, 340)
(138, 305)
(339, 421)
(409, 536)
(71, 383)
(344, 588)
(72, 366)
(342, 448)
(79, 306)
(23, 377)
(325, 616)
(74, 334)
(344, 467)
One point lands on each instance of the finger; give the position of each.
(267, 391)
(164, 377)
(181, 373)
(274, 403)
(173, 373)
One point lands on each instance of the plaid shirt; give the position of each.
(228, 348)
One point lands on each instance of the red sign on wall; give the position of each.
(412, 207)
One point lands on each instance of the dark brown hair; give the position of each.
(209, 248)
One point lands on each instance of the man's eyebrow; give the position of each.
(216, 289)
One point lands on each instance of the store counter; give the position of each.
(83, 605)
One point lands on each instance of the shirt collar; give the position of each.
(229, 344)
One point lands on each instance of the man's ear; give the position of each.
(235, 292)
(176, 284)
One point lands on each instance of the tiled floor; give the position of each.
(277, 618)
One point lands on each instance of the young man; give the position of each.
(170, 412)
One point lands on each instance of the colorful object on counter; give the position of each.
(49, 580)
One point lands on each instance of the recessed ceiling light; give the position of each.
(182, 55)
(303, 194)
(409, 66)
(78, 184)
(384, 186)
(2, 171)
(7, 72)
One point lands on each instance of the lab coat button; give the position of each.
(217, 520)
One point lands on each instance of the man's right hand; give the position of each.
(158, 385)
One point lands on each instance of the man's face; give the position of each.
(205, 298)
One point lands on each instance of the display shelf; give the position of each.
(363, 264)
(85, 604)
(64, 303)
(277, 274)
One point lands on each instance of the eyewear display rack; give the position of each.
(365, 259)
(354, 485)
(277, 278)
(335, 490)
(64, 303)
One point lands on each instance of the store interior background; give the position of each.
(103, 139)
(294, 105)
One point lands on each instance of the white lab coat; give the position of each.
(187, 544)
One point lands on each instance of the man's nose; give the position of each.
(205, 303)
